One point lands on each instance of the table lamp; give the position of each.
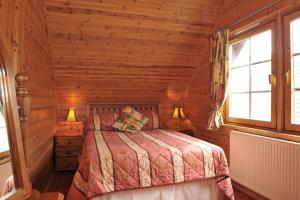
(72, 116)
(179, 115)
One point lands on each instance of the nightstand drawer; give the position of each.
(68, 141)
(66, 163)
(65, 152)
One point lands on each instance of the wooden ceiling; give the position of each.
(111, 50)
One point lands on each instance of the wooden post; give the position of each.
(23, 99)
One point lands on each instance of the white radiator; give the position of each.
(268, 166)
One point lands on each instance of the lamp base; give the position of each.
(179, 124)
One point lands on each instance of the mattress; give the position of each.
(150, 160)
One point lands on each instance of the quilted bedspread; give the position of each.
(114, 161)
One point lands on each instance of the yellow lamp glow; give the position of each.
(72, 115)
(178, 114)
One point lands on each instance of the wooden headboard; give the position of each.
(96, 108)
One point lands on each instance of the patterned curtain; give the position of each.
(220, 76)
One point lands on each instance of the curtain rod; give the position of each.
(251, 14)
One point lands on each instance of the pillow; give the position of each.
(130, 120)
(154, 120)
(106, 121)
(121, 123)
(134, 125)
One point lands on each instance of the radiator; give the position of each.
(267, 166)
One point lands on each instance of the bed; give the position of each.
(155, 163)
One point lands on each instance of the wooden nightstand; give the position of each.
(187, 132)
(67, 150)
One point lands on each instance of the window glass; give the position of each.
(250, 69)
(260, 104)
(240, 79)
(239, 105)
(295, 70)
(261, 45)
(240, 53)
(4, 146)
(295, 32)
(260, 76)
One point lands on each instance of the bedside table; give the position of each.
(67, 150)
(187, 132)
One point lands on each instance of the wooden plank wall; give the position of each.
(36, 63)
(127, 51)
(8, 30)
(198, 100)
(38, 66)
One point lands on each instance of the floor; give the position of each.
(63, 180)
(239, 195)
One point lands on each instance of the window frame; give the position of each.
(272, 124)
(288, 72)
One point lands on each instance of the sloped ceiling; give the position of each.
(132, 50)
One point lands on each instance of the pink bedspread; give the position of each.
(113, 161)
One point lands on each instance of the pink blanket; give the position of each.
(113, 161)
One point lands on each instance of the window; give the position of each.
(4, 140)
(4, 145)
(256, 97)
(295, 69)
(251, 93)
(292, 60)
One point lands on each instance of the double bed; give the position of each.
(155, 163)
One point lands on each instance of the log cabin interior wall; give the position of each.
(107, 51)
(127, 51)
(33, 55)
(140, 51)
(38, 67)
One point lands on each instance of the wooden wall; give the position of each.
(127, 51)
(38, 66)
(32, 52)
(9, 33)
(198, 101)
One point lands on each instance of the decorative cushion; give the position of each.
(121, 123)
(130, 120)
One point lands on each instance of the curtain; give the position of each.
(220, 76)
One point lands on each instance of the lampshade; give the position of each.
(72, 115)
(178, 113)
